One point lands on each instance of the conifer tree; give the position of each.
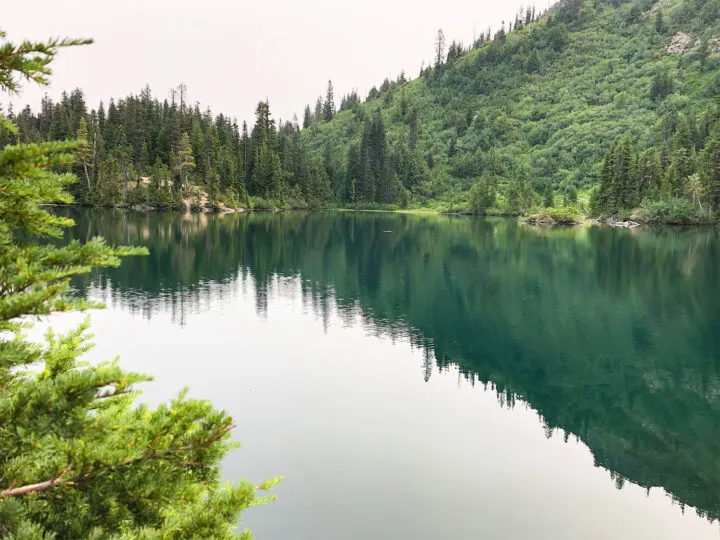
(703, 52)
(482, 195)
(329, 105)
(83, 154)
(185, 158)
(711, 169)
(318, 110)
(439, 48)
(549, 196)
(660, 22)
(77, 458)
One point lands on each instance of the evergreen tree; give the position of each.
(649, 178)
(703, 52)
(318, 109)
(662, 85)
(711, 170)
(483, 195)
(532, 65)
(78, 459)
(329, 105)
(439, 48)
(570, 195)
(83, 154)
(660, 22)
(185, 159)
(307, 117)
(318, 187)
(413, 137)
(549, 196)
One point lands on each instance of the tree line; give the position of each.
(679, 176)
(142, 151)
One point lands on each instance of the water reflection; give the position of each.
(610, 335)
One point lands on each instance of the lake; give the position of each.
(425, 377)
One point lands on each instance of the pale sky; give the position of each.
(233, 53)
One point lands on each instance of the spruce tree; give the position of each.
(439, 48)
(83, 154)
(318, 109)
(660, 22)
(482, 195)
(703, 52)
(329, 105)
(185, 158)
(549, 196)
(711, 170)
(78, 459)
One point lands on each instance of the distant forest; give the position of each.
(608, 107)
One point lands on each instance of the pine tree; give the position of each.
(549, 196)
(318, 187)
(318, 109)
(439, 48)
(307, 117)
(413, 136)
(649, 182)
(160, 186)
(185, 158)
(711, 170)
(83, 154)
(660, 22)
(482, 195)
(78, 459)
(329, 105)
(703, 52)
(532, 65)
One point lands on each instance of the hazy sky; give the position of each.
(233, 53)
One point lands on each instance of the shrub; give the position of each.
(567, 215)
(674, 211)
(482, 196)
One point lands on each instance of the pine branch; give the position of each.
(154, 456)
(34, 488)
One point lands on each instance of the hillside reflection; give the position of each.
(612, 336)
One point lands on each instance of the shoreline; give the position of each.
(530, 220)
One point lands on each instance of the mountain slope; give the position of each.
(544, 102)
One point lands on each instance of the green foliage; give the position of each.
(571, 195)
(519, 195)
(77, 458)
(29, 60)
(662, 85)
(567, 215)
(482, 195)
(549, 196)
(551, 97)
(671, 211)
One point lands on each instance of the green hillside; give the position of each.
(542, 103)
(596, 106)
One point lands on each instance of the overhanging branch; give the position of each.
(33, 488)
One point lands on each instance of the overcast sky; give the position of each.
(233, 53)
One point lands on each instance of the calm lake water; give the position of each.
(419, 377)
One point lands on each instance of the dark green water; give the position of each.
(432, 377)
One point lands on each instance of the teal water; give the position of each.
(428, 377)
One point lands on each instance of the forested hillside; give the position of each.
(608, 105)
(540, 106)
